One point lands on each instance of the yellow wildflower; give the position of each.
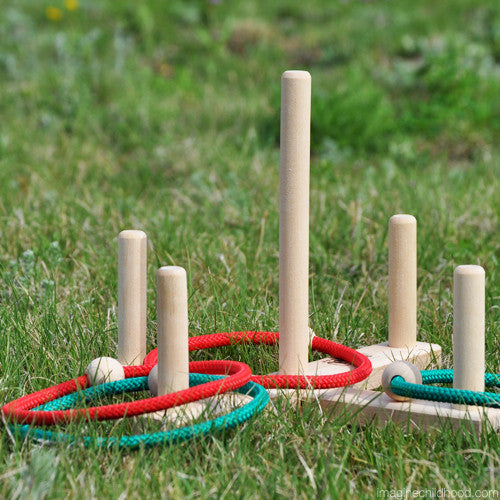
(53, 13)
(71, 4)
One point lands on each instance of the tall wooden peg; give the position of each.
(132, 267)
(294, 222)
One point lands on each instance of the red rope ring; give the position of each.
(20, 409)
(360, 361)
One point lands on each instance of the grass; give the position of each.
(165, 117)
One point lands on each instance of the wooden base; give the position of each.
(206, 409)
(180, 416)
(367, 406)
(378, 408)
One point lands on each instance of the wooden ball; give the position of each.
(102, 370)
(153, 380)
(405, 369)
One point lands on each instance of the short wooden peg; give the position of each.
(402, 281)
(172, 310)
(468, 328)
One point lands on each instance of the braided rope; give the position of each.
(260, 398)
(445, 394)
(21, 410)
(360, 361)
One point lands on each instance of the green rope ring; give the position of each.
(445, 394)
(227, 421)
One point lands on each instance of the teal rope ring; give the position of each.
(227, 421)
(446, 394)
